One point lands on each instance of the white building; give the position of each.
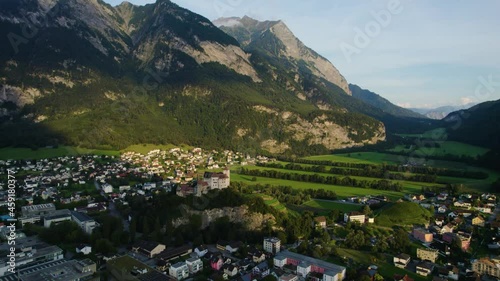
(354, 216)
(272, 245)
(217, 180)
(86, 223)
(84, 249)
(107, 188)
(194, 265)
(179, 270)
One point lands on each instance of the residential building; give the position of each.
(427, 254)
(489, 266)
(148, 248)
(401, 260)
(462, 238)
(86, 223)
(230, 270)
(194, 265)
(424, 268)
(261, 269)
(320, 222)
(201, 250)
(478, 220)
(422, 235)
(179, 270)
(84, 249)
(449, 272)
(216, 263)
(354, 217)
(272, 245)
(107, 188)
(311, 265)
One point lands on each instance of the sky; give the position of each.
(421, 53)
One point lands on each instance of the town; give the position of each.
(94, 201)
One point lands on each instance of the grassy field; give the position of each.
(446, 147)
(385, 266)
(408, 186)
(329, 205)
(273, 202)
(404, 214)
(341, 191)
(27, 153)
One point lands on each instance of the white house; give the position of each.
(201, 250)
(84, 249)
(179, 270)
(354, 216)
(107, 188)
(194, 265)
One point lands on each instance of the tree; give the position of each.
(401, 240)
(367, 210)
(133, 229)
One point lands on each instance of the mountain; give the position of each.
(84, 73)
(273, 39)
(440, 112)
(275, 50)
(477, 125)
(381, 103)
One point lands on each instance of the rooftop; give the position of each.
(323, 264)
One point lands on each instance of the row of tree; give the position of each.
(333, 180)
(425, 170)
(367, 171)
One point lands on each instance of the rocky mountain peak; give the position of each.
(250, 33)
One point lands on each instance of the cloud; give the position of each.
(466, 100)
(405, 105)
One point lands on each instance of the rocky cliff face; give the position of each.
(250, 33)
(251, 220)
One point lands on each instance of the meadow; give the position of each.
(331, 205)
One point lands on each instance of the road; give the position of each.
(112, 208)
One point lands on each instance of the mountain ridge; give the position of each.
(159, 73)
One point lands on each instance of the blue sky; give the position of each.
(415, 53)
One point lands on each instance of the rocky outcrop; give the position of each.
(251, 220)
(247, 30)
(20, 97)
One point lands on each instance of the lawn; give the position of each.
(408, 186)
(329, 205)
(403, 214)
(273, 202)
(341, 191)
(445, 147)
(385, 266)
(41, 153)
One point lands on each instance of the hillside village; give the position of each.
(78, 189)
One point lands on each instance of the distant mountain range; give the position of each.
(440, 112)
